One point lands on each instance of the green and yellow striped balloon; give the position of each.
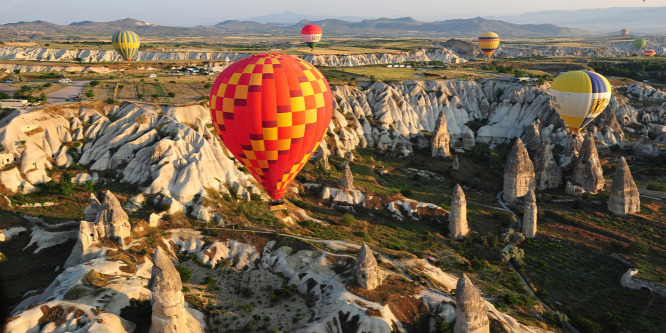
(126, 43)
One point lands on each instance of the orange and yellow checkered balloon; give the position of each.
(271, 111)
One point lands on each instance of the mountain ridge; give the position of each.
(403, 26)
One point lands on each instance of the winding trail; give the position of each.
(522, 278)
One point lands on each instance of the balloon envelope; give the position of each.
(639, 43)
(661, 50)
(624, 32)
(488, 42)
(649, 53)
(126, 43)
(271, 111)
(579, 97)
(311, 35)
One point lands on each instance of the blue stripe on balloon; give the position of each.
(586, 121)
(598, 84)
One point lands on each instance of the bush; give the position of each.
(210, 280)
(347, 219)
(406, 192)
(90, 93)
(94, 83)
(640, 246)
(185, 273)
(75, 293)
(171, 94)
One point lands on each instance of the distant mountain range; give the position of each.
(382, 27)
(288, 18)
(606, 20)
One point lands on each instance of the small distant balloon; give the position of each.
(661, 50)
(488, 42)
(649, 53)
(639, 43)
(311, 35)
(126, 43)
(624, 32)
(579, 97)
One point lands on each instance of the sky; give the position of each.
(206, 12)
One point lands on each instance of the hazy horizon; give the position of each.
(205, 12)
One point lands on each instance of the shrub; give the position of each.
(171, 94)
(406, 192)
(95, 279)
(347, 219)
(141, 119)
(185, 273)
(90, 93)
(75, 293)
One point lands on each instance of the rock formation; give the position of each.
(347, 180)
(624, 197)
(518, 173)
(90, 212)
(530, 215)
(440, 138)
(455, 165)
(468, 141)
(471, 310)
(458, 217)
(569, 157)
(548, 173)
(645, 149)
(532, 138)
(367, 271)
(168, 302)
(110, 221)
(587, 171)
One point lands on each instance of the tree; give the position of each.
(90, 93)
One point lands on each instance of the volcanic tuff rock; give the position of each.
(518, 173)
(571, 152)
(587, 171)
(440, 138)
(458, 217)
(468, 140)
(347, 180)
(530, 215)
(169, 313)
(471, 310)
(455, 165)
(367, 271)
(532, 137)
(548, 173)
(624, 197)
(110, 221)
(645, 149)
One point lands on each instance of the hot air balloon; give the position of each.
(488, 42)
(661, 50)
(271, 111)
(649, 53)
(311, 35)
(624, 32)
(639, 43)
(126, 43)
(579, 96)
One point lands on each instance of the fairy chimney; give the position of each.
(440, 138)
(624, 197)
(587, 171)
(548, 173)
(458, 217)
(347, 180)
(471, 310)
(367, 271)
(530, 215)
(518, 173)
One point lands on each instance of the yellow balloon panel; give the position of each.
(488, 42)
(579, 97)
